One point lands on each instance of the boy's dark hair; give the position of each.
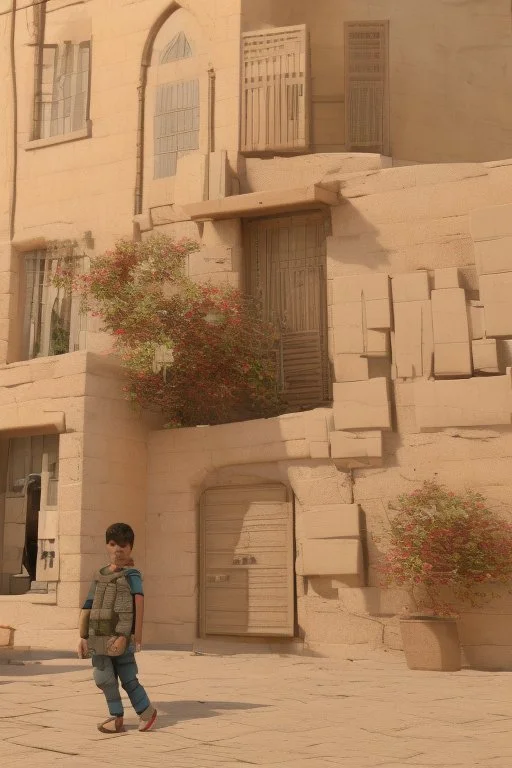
(121, 533)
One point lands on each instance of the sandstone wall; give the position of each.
(102, 480)
(449, 67)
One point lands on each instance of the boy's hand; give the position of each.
(83, 649)
(138, 645)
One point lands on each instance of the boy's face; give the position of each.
(119, 554)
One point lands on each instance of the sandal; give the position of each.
(116, 725)
(147, 719)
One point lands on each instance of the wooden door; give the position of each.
(48, 552)
(247, 573)
(287, 273)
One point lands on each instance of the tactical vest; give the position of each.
(111, 613)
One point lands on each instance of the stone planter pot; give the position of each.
(6, 636)
(431, 643)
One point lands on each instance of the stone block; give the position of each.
(377, 344)
(330, 557)
(218, 176)
(347, 320)
(494, 256)
(476, 320)
(190, 179)
(463, 403)
(496, 296)
(488, 223)
(353, 288)
(485, 356)
(292, 426)
(316, 424)
(350, 367)
(407, 341)
(319, 450)
(254, 454)
(452, 359)
(378, 314)
(413, 286)
(320, 483)
(362, 405)
(448, 277)
(449, 316)
(355, 445)
(330, 521)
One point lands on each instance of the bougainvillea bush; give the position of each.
(444, 547)
(219, 360)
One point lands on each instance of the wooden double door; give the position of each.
(247, 562)
(287, 274)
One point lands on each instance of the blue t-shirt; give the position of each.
(133, 577)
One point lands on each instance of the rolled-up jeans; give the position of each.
(109, 670)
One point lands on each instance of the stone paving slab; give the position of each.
(261, 710)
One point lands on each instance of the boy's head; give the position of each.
(119, 539)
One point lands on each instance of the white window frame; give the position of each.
(62, 105)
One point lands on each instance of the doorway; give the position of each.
(30, 541)
(287, 275)
(247, 562)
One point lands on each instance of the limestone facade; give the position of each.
(235, 122)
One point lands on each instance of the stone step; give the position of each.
(229, 646)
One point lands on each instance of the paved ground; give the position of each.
(279, 711)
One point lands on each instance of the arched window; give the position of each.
(178, 48)
(174, 91)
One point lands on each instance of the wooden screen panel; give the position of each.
(366, 86)
(287, 274)
(275, 84)
(247, 572)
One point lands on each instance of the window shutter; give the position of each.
(303, 378)
(81, 87)
(366, 87)
(275, 81)
(176, 125)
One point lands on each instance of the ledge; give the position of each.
(28, 419)
(83, 133)
(262, 203)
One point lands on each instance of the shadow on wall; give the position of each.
(354, 247)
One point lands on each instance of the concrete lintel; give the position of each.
(30, 420)
(262, 203)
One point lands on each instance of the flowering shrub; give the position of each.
(446, 543)
(217, 351)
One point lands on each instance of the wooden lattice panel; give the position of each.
(275, 90)
(366, 74)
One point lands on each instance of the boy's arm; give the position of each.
(83, 622)
(139, 618)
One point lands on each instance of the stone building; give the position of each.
(356, 156)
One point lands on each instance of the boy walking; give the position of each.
(111, 630)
